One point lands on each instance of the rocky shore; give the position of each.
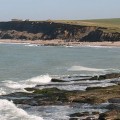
(51, 94)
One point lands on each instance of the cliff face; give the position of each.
(29, 30)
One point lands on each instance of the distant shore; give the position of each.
(57, 42)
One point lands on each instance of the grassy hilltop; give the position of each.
(112, 24)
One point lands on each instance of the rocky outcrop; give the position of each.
(84, 116)
(106, 76)
(55, 96)
(33, 30)
(93, 96)
(102, 36)
(110, 115)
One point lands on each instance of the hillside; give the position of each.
(72, 30)
(112, 25)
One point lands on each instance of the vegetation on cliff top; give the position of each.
(112, 24)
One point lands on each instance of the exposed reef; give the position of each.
(97, 95)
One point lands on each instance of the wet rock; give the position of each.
(110, 115)
(57, 80)
(30, 89)
(84, 116)
(95, 113)
(109, 76)
(94, 78)
(47, 91)
(93, 88)
(74, 119)
(55, 96)
(114, 100)
(47, 96)
(116, 81)
(79, 114)
(114, 106)
(90, 118)
(106, 76)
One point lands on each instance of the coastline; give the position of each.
(58, 42)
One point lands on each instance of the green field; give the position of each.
(112, 25)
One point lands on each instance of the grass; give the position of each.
(112, 25)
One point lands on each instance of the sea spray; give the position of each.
(9, 86)
(9, 111)
(82, 68)
(40, 79)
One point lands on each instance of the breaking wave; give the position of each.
(9, 111)
(32, 45)
(81, 68)
(12, 86)
(40, 79)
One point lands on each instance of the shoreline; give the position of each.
(58, 42)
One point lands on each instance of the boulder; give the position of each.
(110, 115)
(57, 80)
(114, 100)
(79, 114)
(106, 76)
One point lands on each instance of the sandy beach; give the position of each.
(57, 42)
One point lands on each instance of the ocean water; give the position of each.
(27, 65)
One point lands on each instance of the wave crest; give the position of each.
(8, 110)
(82, 68)
(40, 79)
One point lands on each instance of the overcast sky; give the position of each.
(59, 9)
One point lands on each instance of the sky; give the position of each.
(58, 9)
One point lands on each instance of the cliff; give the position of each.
(33, 30)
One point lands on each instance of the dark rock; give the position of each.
(114, 106)
(94, 78)
(114, 100)
(109, 76)
(47, 91)
(33, 30)
(93, 88)
(95, 113)
(30, 89)
(55, 96)
(116, 81)
(79, 114)
(110, 115)
(102, 116)
(73, 119)
(57, 80)
(106, 76)
(84, 116)
(90, 118)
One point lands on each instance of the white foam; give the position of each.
(12, 86)
(96, 46)
(82, 68)
(102, 85)
(18, 85)
(9, 111)
(31, 45)
(2, 92)
(69, 46)
(40, 79)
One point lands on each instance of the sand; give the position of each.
(57, 42)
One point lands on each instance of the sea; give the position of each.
(28, 65)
